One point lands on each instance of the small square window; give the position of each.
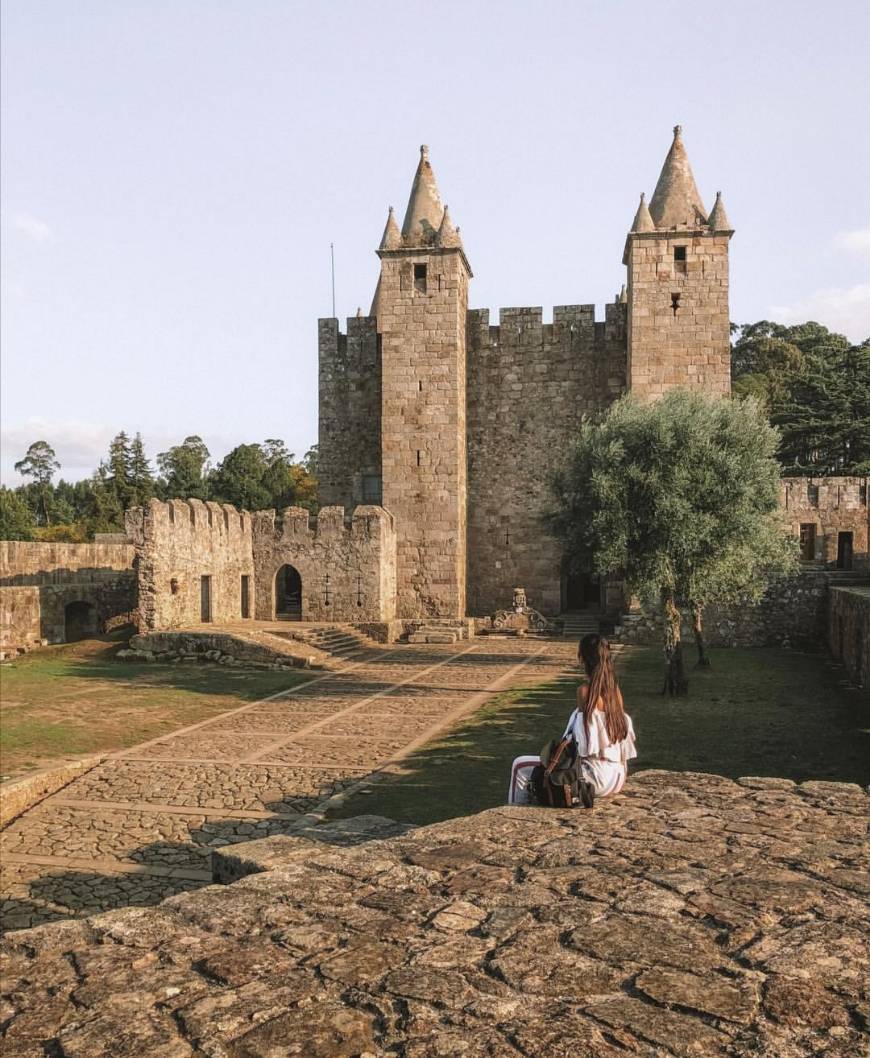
(679, 253)
(420, 278)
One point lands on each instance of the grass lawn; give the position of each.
(756, 712)
(76, 699)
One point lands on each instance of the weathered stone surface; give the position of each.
(516, 932)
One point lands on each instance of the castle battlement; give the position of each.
(221, 522)
(329, 527)
(524, 325)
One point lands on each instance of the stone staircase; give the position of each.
(339, 640)
(578, 623)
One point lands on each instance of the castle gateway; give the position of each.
(454, 425)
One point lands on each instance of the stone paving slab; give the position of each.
(157, 809)
(515, 933)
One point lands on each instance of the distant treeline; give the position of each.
(251, 476)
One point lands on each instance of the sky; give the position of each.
(173, 175)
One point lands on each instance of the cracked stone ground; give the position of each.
(141, 826)
(691, 917)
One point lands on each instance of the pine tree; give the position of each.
(141, 478)
(40, 463)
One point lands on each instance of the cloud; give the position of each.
(857, 241)
(32, 227)
(845, 310)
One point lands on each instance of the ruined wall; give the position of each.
(692, 346)
(529, 384)
(348, 573)
(349, 442)
(39, 580)
(832, 505)
(849, 631)
(177, 544)
(423, 424)
(792, 613)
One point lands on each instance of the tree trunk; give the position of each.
(697, 628)
(675, 673)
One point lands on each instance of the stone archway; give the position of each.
(288, 594)
(80, 621)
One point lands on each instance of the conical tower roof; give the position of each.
(642, 219)
(392, 237)
(676, 202)
(447, 235)
(719, 218)
(425, 210)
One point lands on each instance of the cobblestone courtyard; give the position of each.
(141, 825)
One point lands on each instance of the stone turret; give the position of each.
(677, 260)
(421, 305)
(676, 202)
(425, 210)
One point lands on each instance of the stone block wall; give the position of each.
(348, 572)
(678, 319)
(38, 581)
(849, 631)
(529, 384)
(177, 544)
(422, 322)
(792, 613)
(832, 506)
(349, 441)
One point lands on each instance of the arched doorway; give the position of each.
(80, 621)
(288, 594)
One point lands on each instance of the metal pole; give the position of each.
(332, 260)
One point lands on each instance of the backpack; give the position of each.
(557, 781)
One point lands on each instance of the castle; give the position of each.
(453, 425)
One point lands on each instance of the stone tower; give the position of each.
(677, 259)
(420, 305)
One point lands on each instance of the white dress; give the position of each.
(603, 761)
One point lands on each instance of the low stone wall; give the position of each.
(691, 916)
(259, 650)
(38, 581)
(849, 631)
(16, 797)
(793, 613)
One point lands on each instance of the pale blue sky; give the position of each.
(173, 174)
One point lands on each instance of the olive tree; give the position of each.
(680, 499)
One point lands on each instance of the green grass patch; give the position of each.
(755, 712)
(77, 699)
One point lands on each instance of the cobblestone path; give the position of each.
(140, 826)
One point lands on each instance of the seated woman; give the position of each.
(602, 730)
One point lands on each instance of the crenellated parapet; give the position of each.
(831, 519)
(179, 519)
(574, 327)
(343, 569)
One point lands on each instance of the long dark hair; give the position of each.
(594, 653)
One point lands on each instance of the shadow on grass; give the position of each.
(755, 712)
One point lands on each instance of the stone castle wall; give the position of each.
(832, 505)
(678, 320)
(38, 581)
(348, 573)
(349, 468)
(177, 544)
(849, 631)
(529, 384)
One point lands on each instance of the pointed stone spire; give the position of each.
(447, 234)
(392, 237)
(676, 202)
(623, 296)
(719, 218)
(425, 210)
(642, 219)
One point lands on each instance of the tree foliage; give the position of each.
(680, 499)
(815, 387)
(251, 476)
